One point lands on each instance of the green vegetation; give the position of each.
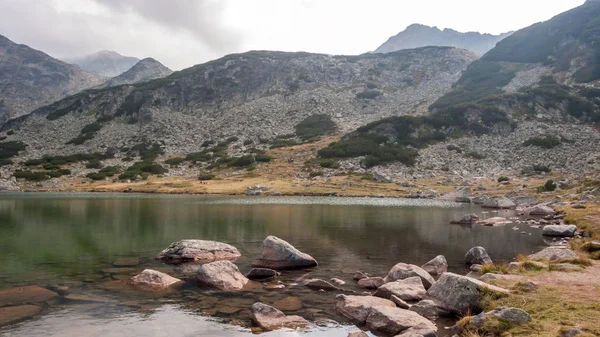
(541, 168)
(315, 126)
(503, 179)
(11, 149)
(40, 175)
(243, 161)
(369, 94)
(277, 143)
(263, 158)
(146, 151)
(108, 171)
(546, 142)
(141, 169)
(206, 176)
(94, 164)
(174, 161)
(549, 186)
(61, 160)
(329, 163)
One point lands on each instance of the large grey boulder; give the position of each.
(427, 309)
(499, 202)
(198, 250)
(540, 210)
(358, 308)
(462, 195)
(478, 255)
(278, 254)
(270, 318)
(394, 320)
(559, 230)
(153, 280)
(222, 275)
(402, 271)
(511, 315)
(460, 294)
(409, 289)
(553, 253)
(437, 266)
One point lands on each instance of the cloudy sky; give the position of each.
(181, 33)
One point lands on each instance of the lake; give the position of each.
(73, 240)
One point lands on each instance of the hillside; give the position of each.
(143, 71)
(416, 36)
(104, 63)
(31, 79)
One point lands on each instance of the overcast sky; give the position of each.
(181, 33)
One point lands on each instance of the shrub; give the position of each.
(4, 162)
(208, 143)
(315, 126)
(263, 158)
(232, 139)
(243, 161)
(503, 179)
(541, 168)
(368, 94)
(313, 174)
(95, 164)
(51, 166)
(549, 186)
(174, 161)
(329, 163)
(96, 176)
(248, 142)
(30, 176)
(11, 149)
(546, 142)
(138, 168)
(58, 173)
(452, 147)
(206, 176)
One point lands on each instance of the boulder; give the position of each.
(499, 203)
(358, 334)
(153, 280)
(462, 195)
(358, 308)
(277, 254)
(198, 250)
(540, 210)
(590, 246)
(409, 289)
(480, 200)
(511, 315)
(261, 274)
(402, 271)
(420, 330)
(359, 275)
(437, 266)
(394, 320)
(371, 282)
(223, 275)
(553, 253)
(468, 219)
(337, 281)
(478, 255)
(25, 295)
(559, 230)
(318, 284)
(460, 294)
(270, 318)
(399, 302)
(18, 313)
(427, 309)
(495, 221)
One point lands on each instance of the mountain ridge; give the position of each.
(145, 70)
(105, 63)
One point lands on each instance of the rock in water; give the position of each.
(153, 280)
(18, 313)
(553, 253)
(460, 294)
(223, 275)
(478, 255)
(25, 295)
(394, 320)
(358, 308)
(278, 254)
(409, 289)
(559, 230)
(499, 202)
(371, 282)
(468, 219)
(198, 250)
(318, 284)
(269, 318)
(402, 271)
(437, 266)
(261, 274)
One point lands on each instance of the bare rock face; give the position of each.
(371, 282)
(358, 308)
(269, 318)
(460, 294)
(278, 254)
(223, 275)
(409, 289)
(395, 320)
(437, 266)
(153, 280)
(478, 255)
(25, 295)
(402, 271)
(198, 250)
(553, 253)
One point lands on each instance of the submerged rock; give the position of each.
(359, 275)
(495, 221)
(270, 318)
(553, 253)
(409, 289)
(478, 255)
(223, 275)
(437, 266)
(127, 261)
(153, 280)
(261, 274)
(25, 295)
(559, 230)
(16, 314)
(198, 250)
(402, 271)
(468, 219)
(278, 254)
(318, 284)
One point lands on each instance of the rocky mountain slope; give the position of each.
(31, 78)
(143, 71)
(416, 36)
(252, 97)
(104, 63)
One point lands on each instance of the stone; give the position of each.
(571, 333)
(290, 303)
(358, 334)
(553, 253)
(460, 294)
(358, 308)
(409, 289)
(337, 281)
(427, 309)
(494, 222)
(437, 266)
(223, 275)
(25, 295)
(318, 284)
(84, 297)
(261, 274)
(420, 330)
(559, 230)
(511, 315)
(590, 246)
(278, 254)
(479, 320)
(153, 280)
(499, 203)
(198, 250)
(489, 277)
(127, 261)
(478, 255)
(541, 210)
(16, 314)
(476, 268)
(480, 200)
(270, 318)
(399, 302)
(394, 320)
(359, 275)
(371, 282)
(468, 219)
(402, 271)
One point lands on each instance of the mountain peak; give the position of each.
(106, 63)
(145, 70)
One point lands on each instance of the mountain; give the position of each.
(104, 63)
(31, 78)
(145, 70)
(258, 96)
(416, 36)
